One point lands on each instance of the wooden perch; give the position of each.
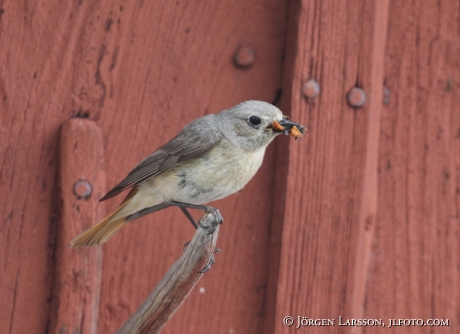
(175, 286)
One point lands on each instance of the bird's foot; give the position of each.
(208, 209)
(215, 212)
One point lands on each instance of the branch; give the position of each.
(175, 286)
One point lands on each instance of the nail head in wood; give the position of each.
(82, 189)
(311, 89)
(244, 57)
(356, 97)
(386, 95)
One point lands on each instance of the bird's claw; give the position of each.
(216, 213)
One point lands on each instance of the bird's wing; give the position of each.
(195, 139)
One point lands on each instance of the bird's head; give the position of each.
(254, 124)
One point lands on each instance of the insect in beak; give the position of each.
(294, 129)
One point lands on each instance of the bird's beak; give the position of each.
(296, 130)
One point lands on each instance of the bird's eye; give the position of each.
(254, 121)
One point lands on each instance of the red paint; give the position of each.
(358, 218)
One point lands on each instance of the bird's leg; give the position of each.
(195, 225)
(189, 216)
(209, 209)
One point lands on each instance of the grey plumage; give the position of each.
(211, 158)
(195, 139)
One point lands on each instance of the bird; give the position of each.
(213, 157)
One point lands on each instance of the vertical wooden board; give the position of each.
(153, 67)
(369, 195)
(141, 70)
(179, 67)
(414, 272)
(281, 170)
(32, 88)
(338, 46)
(77, 277)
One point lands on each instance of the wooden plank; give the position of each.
(174, 64)
(76, 287)
(415, 270)
(331, 185)
(281, 171)
(369, 196)
(33, 86)
(141, 71)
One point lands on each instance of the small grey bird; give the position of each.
(212, 157)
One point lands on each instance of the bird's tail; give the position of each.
(105, 229)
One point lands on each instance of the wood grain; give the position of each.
(141, 70)
(371, 211)
(172, 71)
(369, 196)
(77, 282)
(281, 170)
(332, 175)
(359, 218)
(414, 271)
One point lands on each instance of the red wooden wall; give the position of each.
(358, 219)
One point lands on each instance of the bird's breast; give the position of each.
(221, 171)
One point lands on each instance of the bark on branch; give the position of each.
(175, 286)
